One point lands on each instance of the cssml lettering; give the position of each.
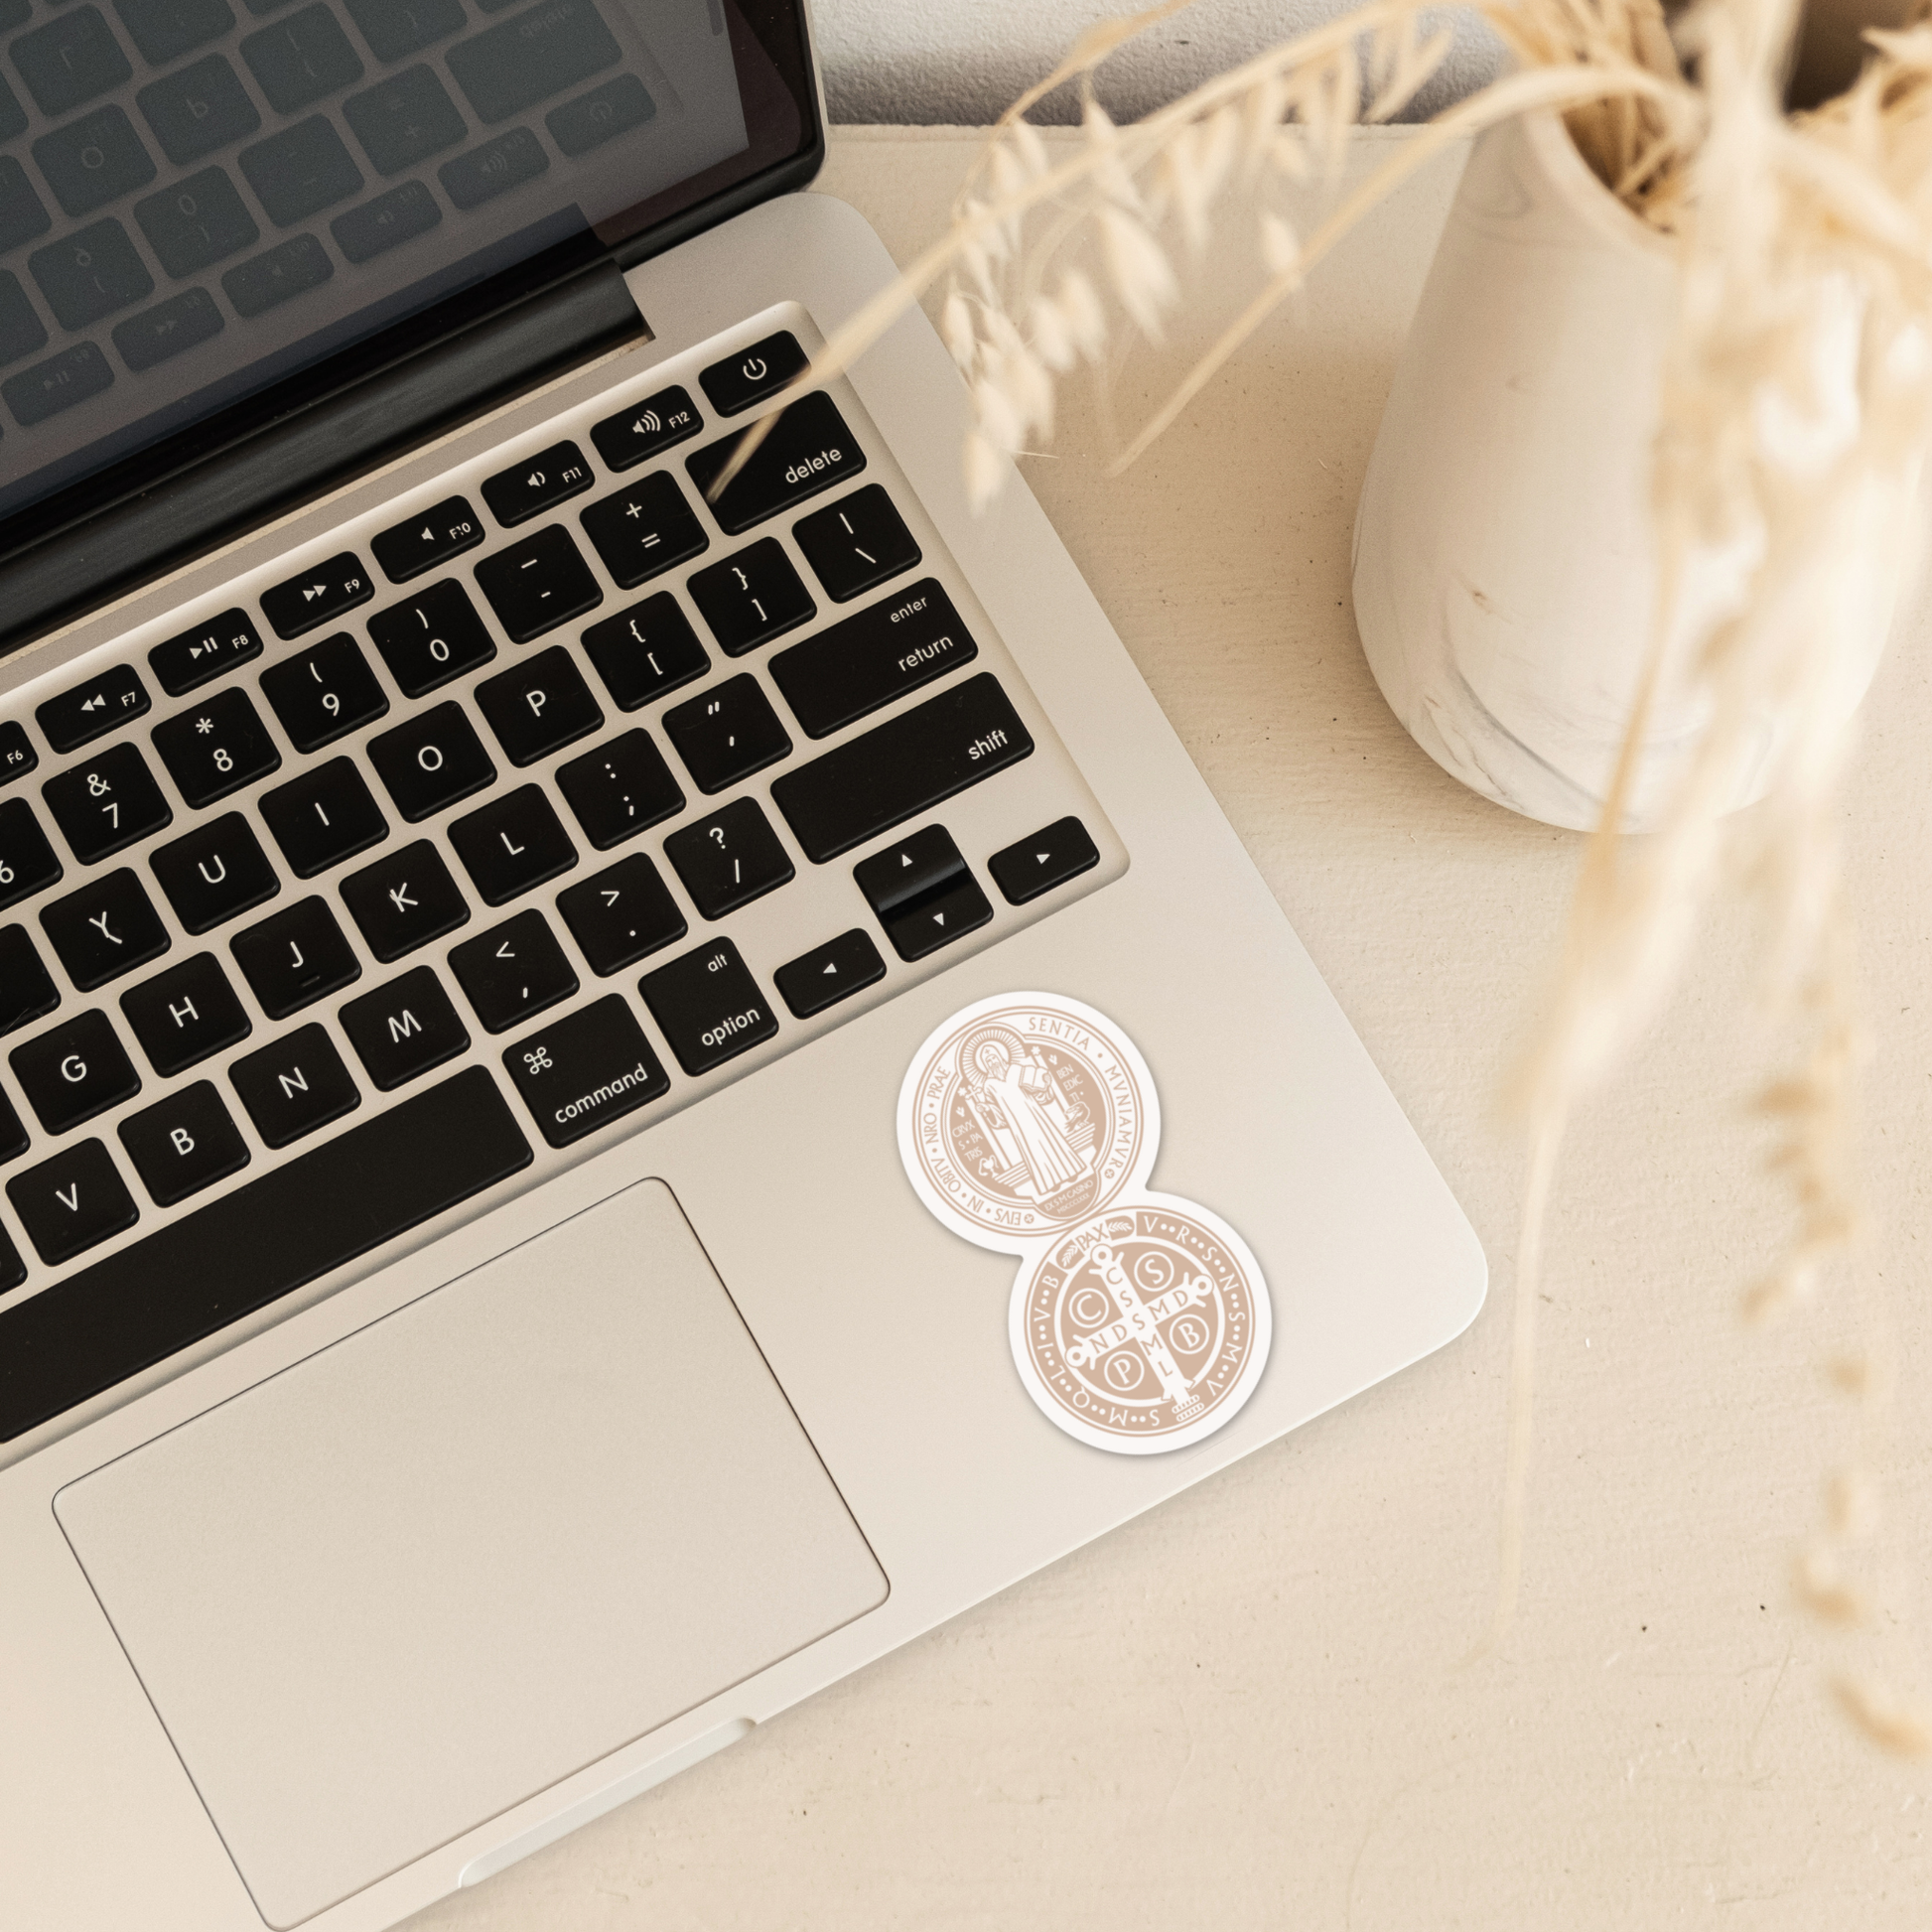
(808, 467)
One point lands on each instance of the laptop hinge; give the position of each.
(82, 563)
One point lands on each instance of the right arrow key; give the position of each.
(1053, 855)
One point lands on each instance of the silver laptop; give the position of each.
(472, 886)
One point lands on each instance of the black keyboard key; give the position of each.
(621, 914)
(582, 1072)
(74, 58)
(727, 733)
(530, 488)
(829, 973)
(295, 1085)
(513, 971)
(538, 584)
(184, 1144)
(434, 636)
(903, 768)
(402, 1030)
(295, 958)
(443, 531)
(404, 900)
(1052, 856)
(914, 868)
(708, 1006)
(71, 1202)
(13, 1271)
(185, 1013)
(645, 529)
(199, 109)
(89, 274)
(633, 436)
(165, 30)
(215, 749)
(21, 329)
(395, 31)
(539, 707)
(646, 650)
(215, 872)
(107, 929)
(867, 661)
(83, 712)
(323, 692)
(277, 275)
(339, 584)
(169, 328)
(94, 160)
(383, 224)
(75, 1071)
(17, 754)
(21, 218)
(809, 450)
(506, 162)
(323, 817)
(431, 761)
(13, 1135)
(27, 861)
(301, 59)
(513, 843)
(751, 598)
(27, 988)
(301, 171)
(194, 223)
(193, 658)
(938, 919)
(13, 117)
(620, 790)
(601, 115)
(403, 120)
(539, 51)
(73, 376)
(754, 373)
(107, 804)
(857, 544)
(247, 1249)
(729, 859)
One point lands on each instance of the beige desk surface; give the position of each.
(1251, 1708)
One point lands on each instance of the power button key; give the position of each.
(751, 374)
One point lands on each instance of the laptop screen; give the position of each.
(198, 198)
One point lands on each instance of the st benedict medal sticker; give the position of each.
(1028, 1124)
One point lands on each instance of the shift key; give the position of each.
(901, 767)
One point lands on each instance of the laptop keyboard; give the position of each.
(548, 802)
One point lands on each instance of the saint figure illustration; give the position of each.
(1044, 1140)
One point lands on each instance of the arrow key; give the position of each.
(830, 973)
(1052, 856)
(938, 919)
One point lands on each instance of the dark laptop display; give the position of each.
(202, 199)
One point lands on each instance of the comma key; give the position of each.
(586, 1070)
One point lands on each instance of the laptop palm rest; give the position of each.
(467, 1551)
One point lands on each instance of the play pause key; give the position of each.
(829, 973)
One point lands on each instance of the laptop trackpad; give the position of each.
(467, 1551)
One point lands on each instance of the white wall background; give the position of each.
(940, 62)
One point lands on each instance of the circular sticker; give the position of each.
(1143, 1330)
(1026, 1114)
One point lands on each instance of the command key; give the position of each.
(582, 1072)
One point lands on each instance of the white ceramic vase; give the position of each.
(1503, 560)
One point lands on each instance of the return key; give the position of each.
(872, 658)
